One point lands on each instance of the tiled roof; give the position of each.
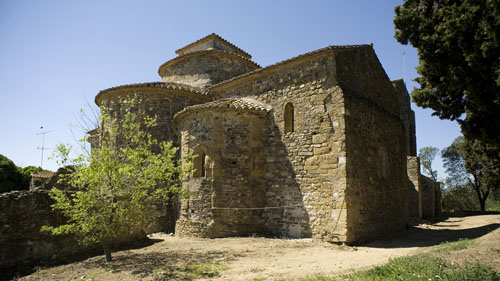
(205, 52)
(43, 174)
(162, 85)
(234, 103)
(333, 47)
(240, 51)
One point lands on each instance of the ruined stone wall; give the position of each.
(429, 192)
(229, 199)
(305, 169)
(21, 242)
(205, 68)
(415, 187)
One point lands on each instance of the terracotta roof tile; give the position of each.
(43, 174)
(162, 85)
(234, 103)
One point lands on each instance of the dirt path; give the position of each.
(269, 259)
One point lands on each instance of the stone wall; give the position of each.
(407, 116)
(430, 198)
(229, 198)
(21, 242)
(376, 191)
(204, 70)
(305, 169)
(415, 187)
(376, 171)
(23, 245)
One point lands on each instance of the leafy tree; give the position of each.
(26, 174)
(458, 196)
(468, 164)
(10, 177)
(427, 155)
(118, 182)
(458, 45)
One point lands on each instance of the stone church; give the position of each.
(321, 145)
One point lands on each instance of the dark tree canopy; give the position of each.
(26, 174)
(458, 45)
(10, 176)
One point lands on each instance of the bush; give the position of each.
(10, 177)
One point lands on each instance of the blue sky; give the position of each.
(53, 53)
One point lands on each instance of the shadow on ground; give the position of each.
(31, 266)
(426, 237)
(165, 265)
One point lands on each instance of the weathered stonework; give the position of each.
(415, 188)
(21, 242)
(431, 193)
(314, 146)
(232, 141)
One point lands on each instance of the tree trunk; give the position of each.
(107, 251)
(480, 195)
(482, 202)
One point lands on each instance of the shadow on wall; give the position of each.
(286, 215)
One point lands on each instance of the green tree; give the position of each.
(427, 155)
(458, 196)
(10, 177)
(458, 45)
(468, 164)
(26, 174)
(119, 181)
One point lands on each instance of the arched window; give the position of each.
(200, 162)
(289, 118)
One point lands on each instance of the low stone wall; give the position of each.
(21, 241)
(23, 245)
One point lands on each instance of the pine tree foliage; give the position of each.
(458, 43)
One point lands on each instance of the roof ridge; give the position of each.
(330, 47)
(218, 37)
(156, 84)
(160, 84)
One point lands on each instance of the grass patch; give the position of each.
(419, 267)
(192, 271)
(188, 272)
(447, 247)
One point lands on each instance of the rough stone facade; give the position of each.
(314, 146)
(21, 242)
(415, 189)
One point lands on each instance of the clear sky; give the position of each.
(54, 53)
